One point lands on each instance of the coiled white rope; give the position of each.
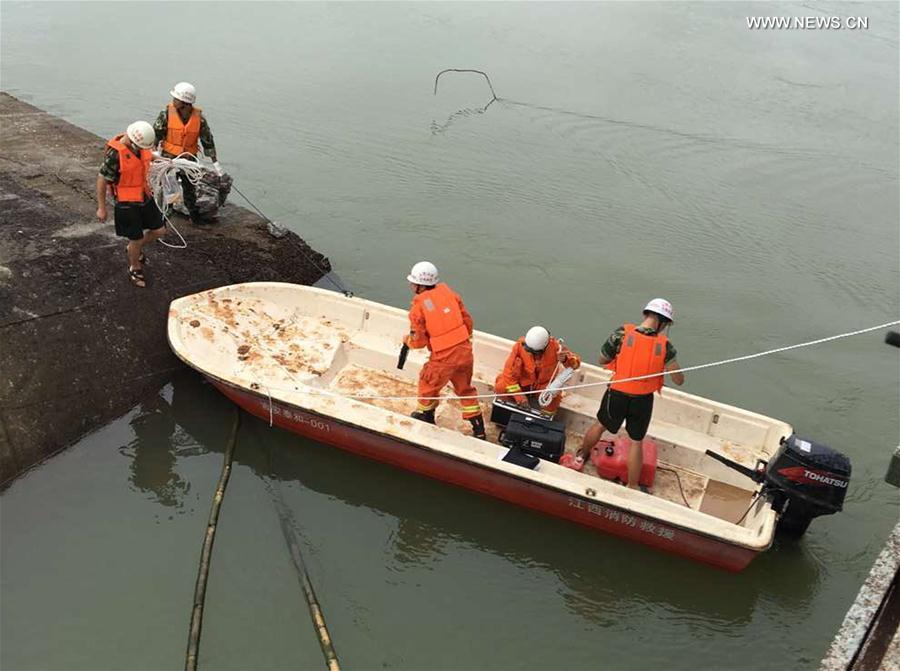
(556, 384)
(377, 397)
(164, 170)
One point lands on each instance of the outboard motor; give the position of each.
(803, 480)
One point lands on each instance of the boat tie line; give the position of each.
(279, 231)
(304, 388)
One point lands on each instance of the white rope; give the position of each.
(257, 385)
(375, 397)
(556, 384)
(163, 170)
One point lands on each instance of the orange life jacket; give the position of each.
(443, 318)
(535, 373)
(182, 137)
(132, 186)
(640, 354)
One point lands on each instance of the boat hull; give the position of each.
(496, 483)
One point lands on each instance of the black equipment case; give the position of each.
(539, 437)
(502, 410)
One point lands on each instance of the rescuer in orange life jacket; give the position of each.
(439, 320)
(633, 351)
(531, 366)
(124, 173)
(181, 128)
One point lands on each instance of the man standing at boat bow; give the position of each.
(439, 320)
(634, 351)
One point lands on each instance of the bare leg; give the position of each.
(591, 438)
(635, 462)
(134, 254)
(150, 236)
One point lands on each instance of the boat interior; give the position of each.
(337, 356)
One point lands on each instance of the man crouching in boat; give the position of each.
(634, 351)
(532, 365)
(439, 320)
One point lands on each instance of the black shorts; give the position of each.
(635, 411)
(132, 219)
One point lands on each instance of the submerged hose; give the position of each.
(193, 648)
(312, 602)
(285, 521)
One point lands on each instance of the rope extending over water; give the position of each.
(193, 648)
(312, 391)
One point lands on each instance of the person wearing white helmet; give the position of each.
(124, 173)
(181, 128)
(531, 366)
(439, 321)
(633, 351)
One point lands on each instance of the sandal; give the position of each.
(136, 275)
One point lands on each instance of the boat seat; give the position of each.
(683, 437)
(376, 342)
(691, 452)
(284, 364)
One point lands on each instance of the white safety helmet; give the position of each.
(537, 338)
(424, 272)
(661, 307)
(142, 134)
(185, 92)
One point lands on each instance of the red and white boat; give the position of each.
(310, 361)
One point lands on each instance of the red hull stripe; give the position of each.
(498, 484)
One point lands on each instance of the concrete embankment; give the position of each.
(79, 345)
(869, 638)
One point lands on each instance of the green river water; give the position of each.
(637, 149)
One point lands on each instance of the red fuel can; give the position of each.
(610, 457)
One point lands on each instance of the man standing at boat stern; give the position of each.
(439, 321)
(181, 128)
(634, 351)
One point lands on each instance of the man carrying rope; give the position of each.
(181, 128)
(439, 320)
(532, 365)
(633, 351)
(137, 218)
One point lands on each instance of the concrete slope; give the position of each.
(79, 345)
